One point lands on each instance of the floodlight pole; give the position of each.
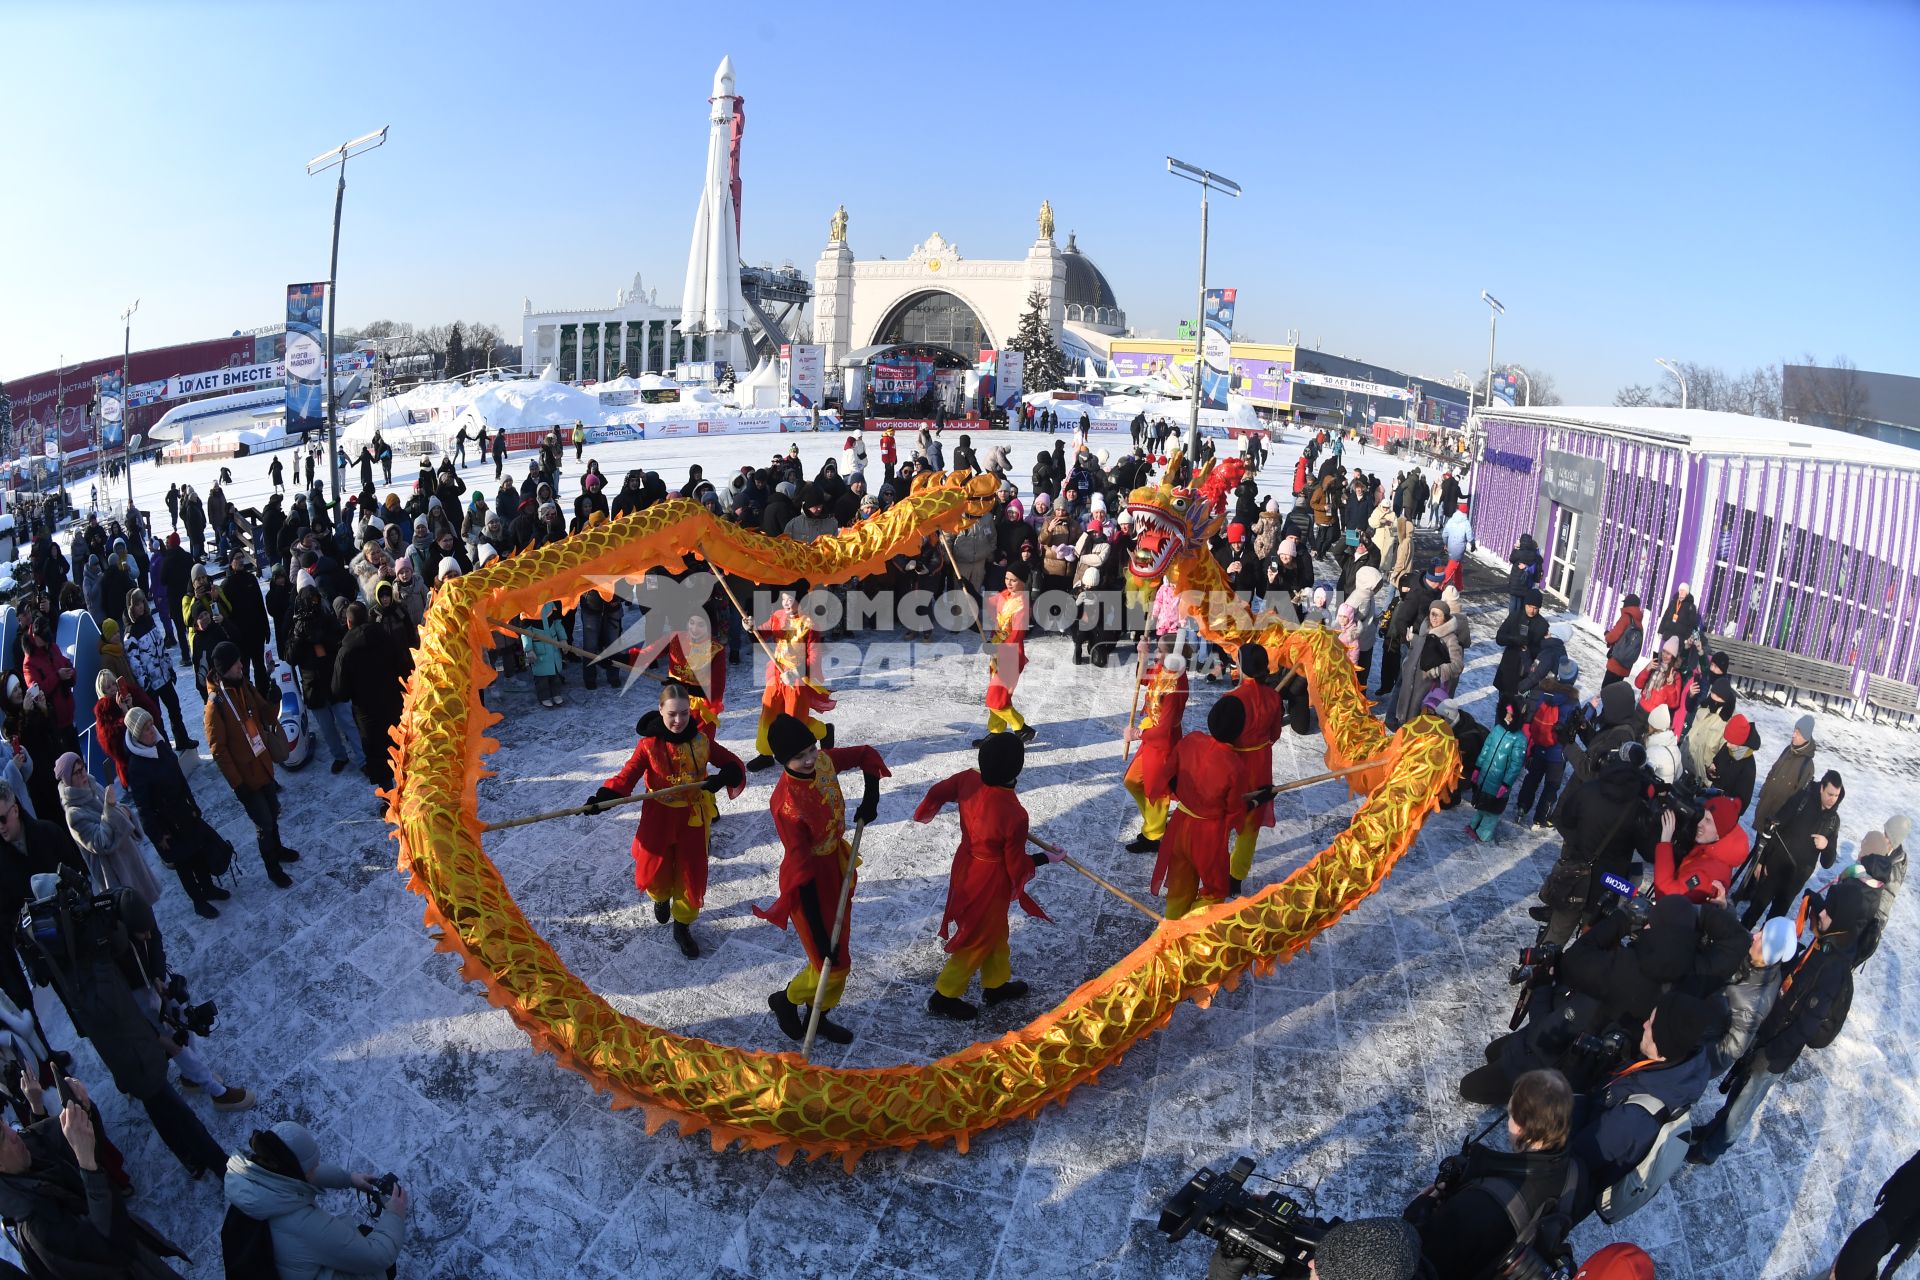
(126, 397)
(1494, 312)
(319, 164)
(1208, 181)
(1678, 377)
(1526, 383)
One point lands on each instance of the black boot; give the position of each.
(951, 1007)
(1141, 844)
(826, 743)
(683, 938)
(662, 911)
(1028, 734)
(759, 763)
(981, 742)
(787, 1014)
(205, 910)
(1233, 885)
(831, 1030)
(1011, 990)
(279, 877)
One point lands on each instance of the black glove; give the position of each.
(869, 800)
(1040, 859)
(713, 784)
(731, 774)
(598, 803)
(1257, 798)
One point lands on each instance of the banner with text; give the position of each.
(1010, 378)
(109, 413)
(306, 358)
(1216, 348)
(1356, 386)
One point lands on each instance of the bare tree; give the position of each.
(1541, 383)
(1636, 396)
(1833, 393)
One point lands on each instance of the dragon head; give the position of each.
(1170, 519)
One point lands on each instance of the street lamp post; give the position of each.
(59, 454)
(1208, 181)
(1495, 311)
(1526, 384)
(1678, 377)
(126, 397)
(320, 164)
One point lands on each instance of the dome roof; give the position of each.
(1086, 286)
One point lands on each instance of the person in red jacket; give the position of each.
(793, 684)
(670, 845)
(1007, 642)
(1719, 849)
(118, 695)
(990, 873)
(810, 815)
(1209, 786)
(1661, 684)
(1265, 718)
(48, 670)
(1149, 775)
(1624, 639)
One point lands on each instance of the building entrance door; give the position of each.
(1560, 560)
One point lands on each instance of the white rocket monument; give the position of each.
(712, 303)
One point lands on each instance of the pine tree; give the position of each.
(1046, 366)
(456, 352)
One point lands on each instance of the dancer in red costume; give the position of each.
(793, 685)
(1266, 717)
(810, 815)
(990, 873)
(1148, 778)
(1208, 785)
(1007, 643)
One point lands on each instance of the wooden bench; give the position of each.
(1762, 665)
(1892, 695)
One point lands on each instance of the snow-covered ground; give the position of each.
(1337, 1071)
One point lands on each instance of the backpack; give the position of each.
(1835, 1017)
(1663, 1159)
(1627, 647)
(246, 1248)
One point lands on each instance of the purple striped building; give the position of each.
(1796, 537)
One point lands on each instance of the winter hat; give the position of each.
(1617, 1262)
(1631, 602)
(1721, 688)
(1680, 1023)
(1804, 727)
(1100, 504)
(299, 1144)
(1671, 646)
(1227, 718)
(1289, 547)
(1534, 598)
(1173, 662)
(1448, 710)
(1436, 574)
(789, 736)
(225, 654)
(1660, 719)
(1253, 662)
(1568, 672)
(1849, 905)
(1236, 533)
(1000, 759)
(1369, 1249)
(109, 630)
(63, 767)
(1451, 594)
(139, 719)
(1737, 730)
(1725, 811)
(1898, 828)
(1778, 941)
(173, 540)
(1126, 519)
(1874, 844)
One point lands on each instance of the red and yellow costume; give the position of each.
(1266, 717)
(705, 677)
(796, 656)
(670, 846)
(810, 816)
(1208, 783)
(990, 873)
(1008, 644)
(1163, 705)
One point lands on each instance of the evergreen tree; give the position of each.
(1046, 366)
(456, 352)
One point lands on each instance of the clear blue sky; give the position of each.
(1730, 182)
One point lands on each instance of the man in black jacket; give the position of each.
(1807, 830)
(27, 848)
(1605, 825)
(246, 620)
(1814, 998)
(1416, 597)
(368, 673)
(1520, 636)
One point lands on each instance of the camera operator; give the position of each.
(1617, 1124)
(1807, 830)
(1596, 996)
(1487, 1204)
(162, 997)
(277, 1180)
(28, 847)
(1718, 850)
(67, 1218)
(1607, 826)
(78, 943)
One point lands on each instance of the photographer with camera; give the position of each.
(276, 1181)
(28, 847)
(1607, 827)
(78, 942)
(1704, 871)
(1489, 1209)
(66, 1216)
(162, 996)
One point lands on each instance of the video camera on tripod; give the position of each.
(1267, 1234)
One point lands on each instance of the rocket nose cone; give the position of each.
(723, 79)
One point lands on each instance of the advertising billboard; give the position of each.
(306, 358)
(806, 368)
(1216, 373)
(1010, 378)
(110, 411)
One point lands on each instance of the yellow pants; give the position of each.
(684, 912)
(1241, 860)
(801, 989)
(994, 967)
(817, 728)
(1153, 813)
(1182, 887)
(1008, 721)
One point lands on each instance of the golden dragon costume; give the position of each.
(777, 1100)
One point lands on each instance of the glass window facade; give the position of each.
(936, 319)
